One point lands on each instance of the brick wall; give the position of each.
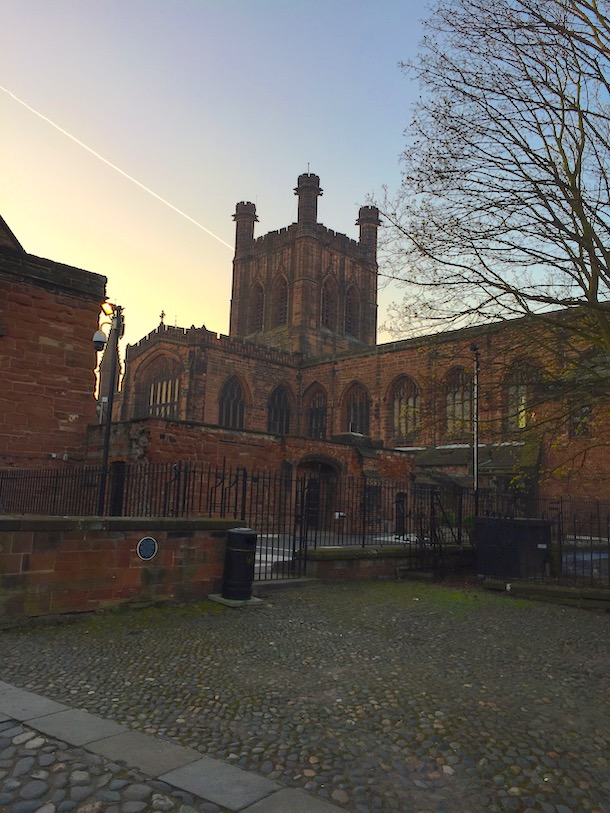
(52, 565)
(48, 314)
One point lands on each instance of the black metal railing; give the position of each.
(294, 514)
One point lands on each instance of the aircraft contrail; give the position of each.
(114, 166)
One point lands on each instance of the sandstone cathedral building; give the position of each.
(299, 385)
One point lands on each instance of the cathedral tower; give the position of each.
(305, 288)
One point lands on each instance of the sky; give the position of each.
(129, 129)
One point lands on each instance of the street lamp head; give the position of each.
(99, 340)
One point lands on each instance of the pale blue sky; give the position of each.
(205, 102)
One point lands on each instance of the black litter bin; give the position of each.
(512, 548)
(239, 564)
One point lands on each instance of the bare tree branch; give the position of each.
(504, 205)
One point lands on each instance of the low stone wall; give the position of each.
(387, 561)
(51, 565)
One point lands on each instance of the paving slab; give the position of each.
(145, 752)
(225, 785)
(75, 726)
(296, 801)
(19, 704)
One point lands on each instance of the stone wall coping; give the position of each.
(348, 552)
(49, 523)
(28, 268)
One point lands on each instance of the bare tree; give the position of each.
(504, 207)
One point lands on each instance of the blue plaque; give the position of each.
(147, 548)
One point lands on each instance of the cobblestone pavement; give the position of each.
(376, 696)
(38, 773)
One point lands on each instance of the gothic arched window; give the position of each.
(357, 410)
(352, 312)
(231, 405)
(405, 406)
(256, 308)
(458, 402)
(316, 415)
(278, 417)
(519, 395)
(280, 302)
(328, 305)
(587, 383)
(158, 389)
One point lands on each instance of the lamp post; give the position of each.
(111, 346)
(475, 428)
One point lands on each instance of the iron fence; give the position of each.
(295, 514)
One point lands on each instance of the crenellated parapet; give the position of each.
(168, 336)
(281, 238)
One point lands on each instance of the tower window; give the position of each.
(328, 305)
(280, 302)
(352, 312)
(256, 308)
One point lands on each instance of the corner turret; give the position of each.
(368, 220)
(308, 190)
(245, 218)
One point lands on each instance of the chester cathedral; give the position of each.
(300, 384)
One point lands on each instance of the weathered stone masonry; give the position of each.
(48, 313)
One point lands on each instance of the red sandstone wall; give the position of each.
(50, 565)
(48, 314)
(209, 360)
(161, 441)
